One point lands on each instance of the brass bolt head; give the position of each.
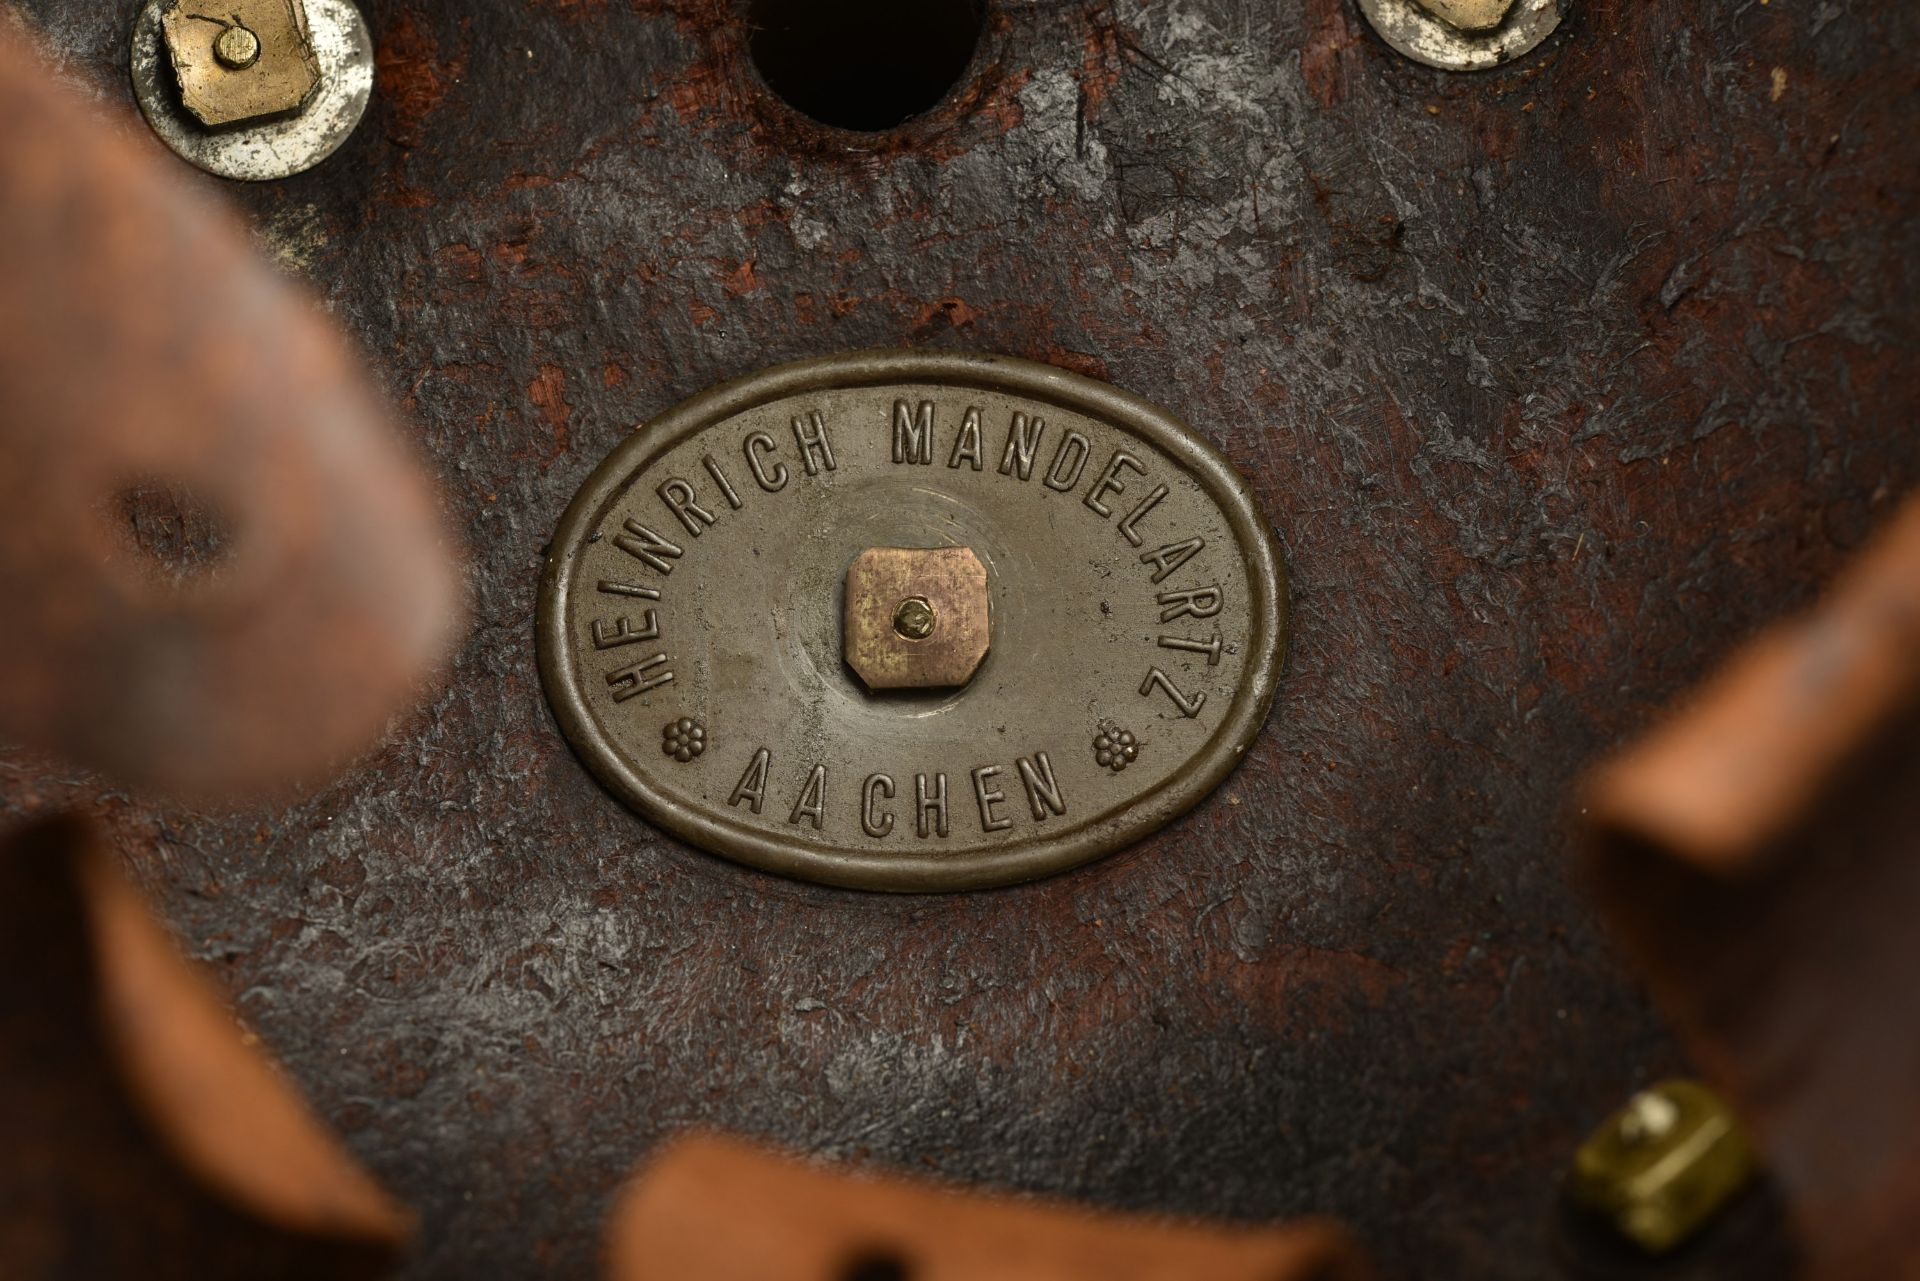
(916, 617)
(1475, 17)
(237, 48)
(1664, 1164)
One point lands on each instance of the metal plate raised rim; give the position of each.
(1023, 861)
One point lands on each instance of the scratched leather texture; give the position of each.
(1555, 383)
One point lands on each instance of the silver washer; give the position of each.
(1438, 43)
(276, 148)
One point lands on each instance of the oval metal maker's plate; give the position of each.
(691, 641)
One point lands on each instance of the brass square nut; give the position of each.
(916, 617)
(240, 60)
(1664, 1164)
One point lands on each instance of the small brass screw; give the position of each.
(237, 48)
(914, 618)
